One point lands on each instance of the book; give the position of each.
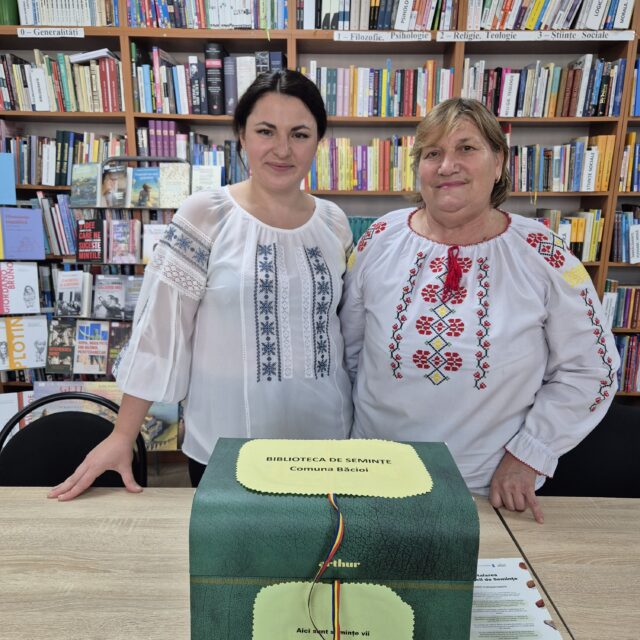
(174, 184)
(124, 241)
(206, 177)
(23, 342)
(60, 347)
(7, 177)
(19, 290)
(114, 186)
(151, 236)
(108, 297)
(144, 189)
(92, 346)
(230, 84)
(85, 185)
(214, 54)
(119, 333)
(132, 287)
(73, 293)
(91, 240)
(22, 234)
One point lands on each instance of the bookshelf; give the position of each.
(371, 48)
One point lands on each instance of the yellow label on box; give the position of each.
(375, 468)
(368, 611)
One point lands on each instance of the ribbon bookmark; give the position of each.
(335, 593)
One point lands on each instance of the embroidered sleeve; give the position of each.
(580, 376)
(181, 258)
(156, 363)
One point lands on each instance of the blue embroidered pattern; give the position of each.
(265, 296)
(321, 300)
(179, 239)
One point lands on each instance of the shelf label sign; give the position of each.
(382, 36)
(50, 32)
(532, 36)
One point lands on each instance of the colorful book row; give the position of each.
(583, 164)
(382, 165)
(587, 87)
(544, 14)
(62, 83)
(625, 246)
(629, 371)
(386, 92)
(208, 14)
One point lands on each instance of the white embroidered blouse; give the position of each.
(517, 358)
(239, 319)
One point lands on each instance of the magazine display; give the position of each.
(73, 293)
(62, 336)
(92, 347)
(152, 234)
(174, 184)
(19, 290)
(23, 342)
(109, 297)
(114, 186)
(85, 185)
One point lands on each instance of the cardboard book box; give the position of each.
(403, 522)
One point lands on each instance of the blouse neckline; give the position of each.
(268, 226)
(471, 244)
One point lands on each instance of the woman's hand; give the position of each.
(114, 452)
(513, 487)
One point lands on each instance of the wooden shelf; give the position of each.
(384, 194)
(21, 386)
(559, 194)
(622, 330)
(622, 265)
(544, 122)
(42, 187)
(628, 394)
(62, 116)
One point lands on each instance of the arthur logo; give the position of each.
(341, 564)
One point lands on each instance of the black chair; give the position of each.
(606, 463)
(47, 451)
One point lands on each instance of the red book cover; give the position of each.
(104, 90)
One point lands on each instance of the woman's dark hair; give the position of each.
(288, 83)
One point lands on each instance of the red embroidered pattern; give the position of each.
(601, 343)
(376, 227)
(549, 247)
(439, 326)
(482, 354)
(401, 318)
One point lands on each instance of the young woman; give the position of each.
(237, 313)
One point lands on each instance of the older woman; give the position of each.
(466, 324)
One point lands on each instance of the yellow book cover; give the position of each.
(581, 225)
(430, 82)
(385, 88)
(595, 234)
(533, 16)
(608, 160)
(631, 141)
(353, 103)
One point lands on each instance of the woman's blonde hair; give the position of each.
(443, 118)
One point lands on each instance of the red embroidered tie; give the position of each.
(454, 273)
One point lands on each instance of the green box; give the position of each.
(423, 547)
